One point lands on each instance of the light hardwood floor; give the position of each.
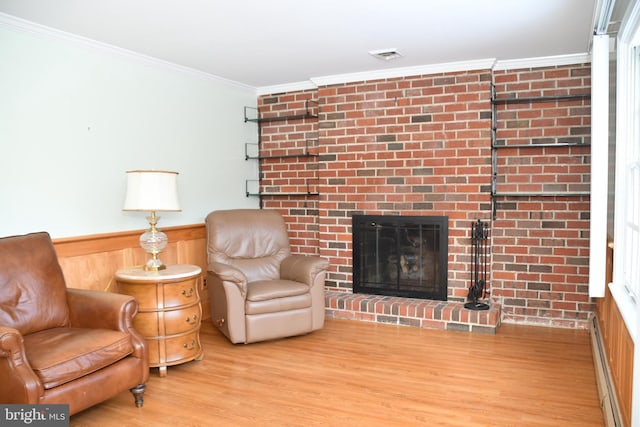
(354, 373)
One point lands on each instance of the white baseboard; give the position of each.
(606, 388)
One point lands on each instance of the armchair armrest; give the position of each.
(302, 268)
(228, 273)
(105, 310)
(19, 383)
(100, 310)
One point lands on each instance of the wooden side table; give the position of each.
(169, 312)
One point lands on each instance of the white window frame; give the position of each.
(625, 287)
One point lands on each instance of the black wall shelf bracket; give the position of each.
(251, 151)
(251, 186)
(495, 146)
(311, 112)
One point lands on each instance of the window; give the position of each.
(632, 233)
(631, 166)
(626, 280)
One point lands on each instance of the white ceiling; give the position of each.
(276, 42)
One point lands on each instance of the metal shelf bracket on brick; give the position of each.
(253, 150)
(496, 147)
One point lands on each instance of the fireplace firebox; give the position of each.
(404, 256)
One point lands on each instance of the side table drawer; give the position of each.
(184, 292)
(150, 324)
(186, 347)
(182, 320)
(175, 349)
(181, 293)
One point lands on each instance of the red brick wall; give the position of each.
(541, 244)
(291, 174)
(422, 146)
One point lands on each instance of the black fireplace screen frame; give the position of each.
(386, 238)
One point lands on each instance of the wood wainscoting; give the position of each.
(618, 347)
(619, 350)
(90, 262)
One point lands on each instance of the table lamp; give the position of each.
(152, 191)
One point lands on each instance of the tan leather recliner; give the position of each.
(259, 291)
(60, 345)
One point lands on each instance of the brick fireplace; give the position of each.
(420, 146)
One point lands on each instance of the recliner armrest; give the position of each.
(19, 382)
(229, 273)
(302, 268)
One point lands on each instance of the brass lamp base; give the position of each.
(152, 265)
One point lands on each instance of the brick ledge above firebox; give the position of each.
(411, 312)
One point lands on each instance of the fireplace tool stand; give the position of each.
(479, 259)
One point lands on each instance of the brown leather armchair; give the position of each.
(60, 345)
(259, 291)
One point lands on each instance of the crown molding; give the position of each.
(449, 67)
(15, 23)
(479, 64)
(315, 82)
(287, 87)
(543, 61)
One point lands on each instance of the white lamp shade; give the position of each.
(151, 190)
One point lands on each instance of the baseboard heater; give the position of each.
(606, 388)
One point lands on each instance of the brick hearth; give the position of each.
(411, 312)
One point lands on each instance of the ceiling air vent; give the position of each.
(385, 54)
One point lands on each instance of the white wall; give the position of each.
(74, 116)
